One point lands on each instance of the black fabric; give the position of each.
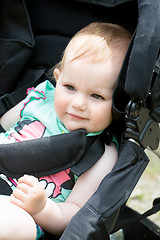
(4, 188)
(62, 151)
(67, 17)
(124, 220)
(97, 217)
(16, 43)
(136, 79)
(2, 129)
(145, 50)
(140, 230)
(91, 156)
(8, 101)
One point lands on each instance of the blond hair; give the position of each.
(95, 39)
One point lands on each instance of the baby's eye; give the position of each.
(97, 96)
(70, 87)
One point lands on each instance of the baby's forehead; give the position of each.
(88, 41)
(84, 38)
(87, 46)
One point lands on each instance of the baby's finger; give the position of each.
(24, 187)
(28, 179)
(16, 201)
(19, 194)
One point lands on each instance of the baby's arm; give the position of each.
(54, 217)
(9, 119)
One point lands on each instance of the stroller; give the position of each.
(33, 35)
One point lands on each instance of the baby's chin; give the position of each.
(75, 127)
(81, 128)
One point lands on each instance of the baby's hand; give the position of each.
(29, 195)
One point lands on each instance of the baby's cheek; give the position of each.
(58, 106)
(104, 119)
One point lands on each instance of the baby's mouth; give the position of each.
(76, 116)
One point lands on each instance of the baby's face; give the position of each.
(83, 95)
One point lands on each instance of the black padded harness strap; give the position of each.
(93, 153)
(48, 155)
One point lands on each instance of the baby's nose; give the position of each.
(80, 102)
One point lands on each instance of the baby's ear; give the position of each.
(56, 74)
